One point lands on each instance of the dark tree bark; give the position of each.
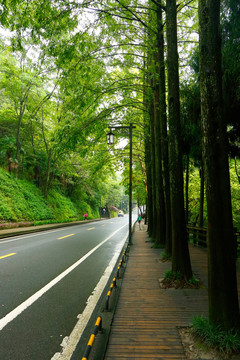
(149, 213)
(163, 129)
(149, 140)
(223, 296)
(153, 169)
(180, 251)
(159, 195)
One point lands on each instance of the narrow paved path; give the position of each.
(147, 318)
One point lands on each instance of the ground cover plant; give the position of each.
(176, 280)
(227, 342)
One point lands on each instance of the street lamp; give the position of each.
(110, 140)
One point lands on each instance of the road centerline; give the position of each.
(63, 237)
(23, 306)
(91, 228)
(3, 257)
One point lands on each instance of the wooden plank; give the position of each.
(145, 322)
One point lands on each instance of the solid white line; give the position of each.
(71, 342)
(19, 309)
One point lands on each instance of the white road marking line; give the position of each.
(19, 309)
(83, 319)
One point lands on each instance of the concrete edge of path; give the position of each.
(100, 344)
(38, 228)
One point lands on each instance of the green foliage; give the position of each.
(213, 336)
(158, 246)
(61, 206)
(234, 172)
(166, 257)
(194, 193)
(95, 77)
(172, 275)
(168, 274)
(21, 200)
(193, 280)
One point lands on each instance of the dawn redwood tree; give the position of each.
(159, 194)
(180, 252)
(147, 143)
(222, 288)
(163, 127)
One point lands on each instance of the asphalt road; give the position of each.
(46, 279)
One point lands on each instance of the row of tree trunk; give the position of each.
(163, 149)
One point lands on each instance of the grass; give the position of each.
(166, 257)
(214, 336)
(172, 275)
(193, 281)
(157, 246)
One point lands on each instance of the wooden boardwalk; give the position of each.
(145, 325)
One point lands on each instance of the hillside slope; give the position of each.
(23, 201)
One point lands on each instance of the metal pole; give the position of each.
(130, 174)
(130, 186)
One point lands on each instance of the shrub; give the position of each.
(214, 336)
(61, 206)
(166, 257)
(22, 200)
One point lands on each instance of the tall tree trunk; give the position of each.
(149, 213)
(159, 196)
(180, 251)
(163, 129)
(222, 290)
(153, 169)
(148, 161)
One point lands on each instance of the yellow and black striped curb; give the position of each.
(98, 327)
(98, 324)
(114, 284)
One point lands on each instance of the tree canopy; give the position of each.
(71, 69)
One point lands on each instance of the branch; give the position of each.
(138, 19)
(183, 5)
(159, 5)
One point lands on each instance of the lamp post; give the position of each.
(110, 140)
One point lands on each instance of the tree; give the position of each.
(163, 129)
(222, 289)
(180, 251)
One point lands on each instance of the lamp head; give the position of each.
(110, 138)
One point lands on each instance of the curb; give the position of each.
(23, 231)
(106, 313)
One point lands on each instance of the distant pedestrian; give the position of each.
(139, 221)
(85, 215)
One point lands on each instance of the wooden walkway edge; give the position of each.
(146, 321)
